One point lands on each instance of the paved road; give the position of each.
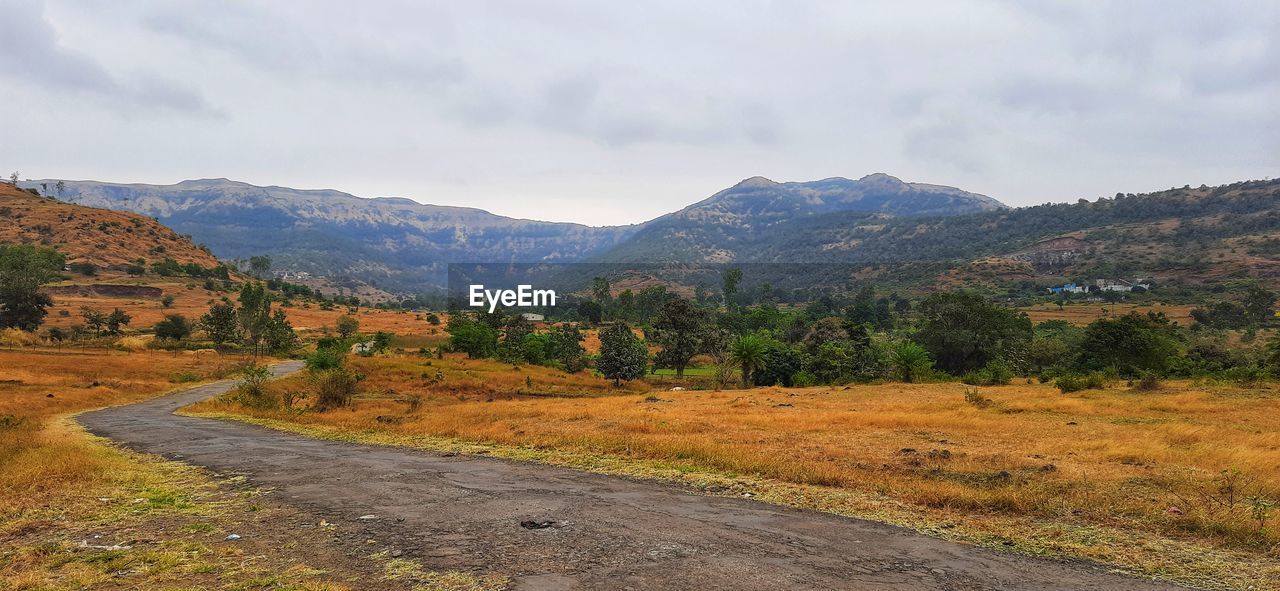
(464, 512)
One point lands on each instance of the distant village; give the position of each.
(1103, 285)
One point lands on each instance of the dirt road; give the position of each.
(461, 512)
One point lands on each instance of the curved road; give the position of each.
(465, 512)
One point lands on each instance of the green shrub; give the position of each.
(334, 387)
(995, 373)
(1075, 382)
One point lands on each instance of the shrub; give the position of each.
(326, 358)
(252, 391)
(1076, 382)
(995, 373)
(1149, 382)
(335, 387)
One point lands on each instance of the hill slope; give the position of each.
(721, 228)
(1188, 236)
(104, 238)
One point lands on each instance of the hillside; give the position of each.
(1190, 236)
(112, 240)
(723, 227)
(393, 243)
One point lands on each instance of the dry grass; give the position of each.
(192, 300)
(1135, 479)
(1081, 314)
(76, 513)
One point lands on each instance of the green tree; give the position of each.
(254, 313)
(748, 353)
(347, 326)
(565, 348)
(1259, 305)
(468, 335)
(220, 323)
(259, 265)
(23, 270)
(278, 336)
(174, 326)
(95, 320)
(964, 332)
(166, 301)
(909, 361)
(1133, 344)
(729, 281)
(117, 320)
(679, 329)
(623, 357)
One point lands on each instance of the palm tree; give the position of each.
(909, 360)
(748, 352)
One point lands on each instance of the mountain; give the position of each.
(390, 242)
(1188, 237)
(404, 245)
(106, 239)
(723, 227)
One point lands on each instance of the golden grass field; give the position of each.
(1081, 314)
(192, 300)
(77, 513)
(1156, 482)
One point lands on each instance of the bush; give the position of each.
(1149, 382)
(334, 388)
(1076, 382)
(995, 373)
(252, 391)
(326, 358)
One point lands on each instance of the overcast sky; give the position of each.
(616, 112)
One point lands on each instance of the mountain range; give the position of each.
(876, 228)
(404, 245)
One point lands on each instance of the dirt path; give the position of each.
(462, 512)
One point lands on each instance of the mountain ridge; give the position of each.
(404, 244)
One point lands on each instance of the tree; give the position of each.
(95, 320)
(729, 281)
(174, 326)
(468, 335)
(964, 332)
(781, 364)
(623, 357)
(601, 292)
(13, 178)
(220, 323)
(909, 360)
(1259, 305)
(565, 348)
(117, 320)
(1133, 344)
(748, 353)
(166, 301)
(259, 265)
(23, 269)
(591, 311)
(254, 313)
(347, 326)
(61, 188)
(278, 336)
(679, 329)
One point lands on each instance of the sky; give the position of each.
(617, 112)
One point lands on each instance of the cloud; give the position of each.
(30, 52)
(629, 110)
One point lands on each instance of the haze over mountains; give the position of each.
(405, 245)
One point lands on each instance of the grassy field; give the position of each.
(1082, 313)
(77, 513)
(192, 300)
(1172, 483)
